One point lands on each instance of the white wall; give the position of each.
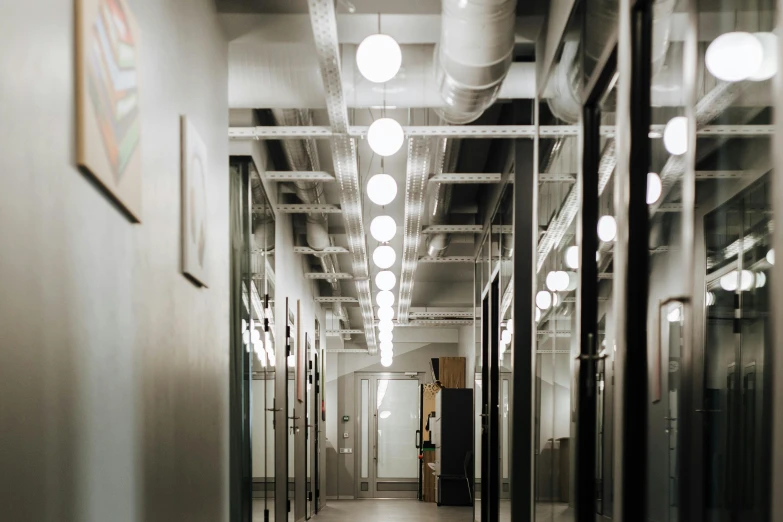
(114, 395)
(467, 348)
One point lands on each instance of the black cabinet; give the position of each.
(453, 437)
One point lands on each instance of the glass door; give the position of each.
(389, 425)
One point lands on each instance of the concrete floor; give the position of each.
(412, 511)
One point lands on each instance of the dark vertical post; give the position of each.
(485, 329)
(494, 403)
(587, 297)
(635, 405)
(523, 351)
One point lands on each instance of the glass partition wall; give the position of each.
(688, 347)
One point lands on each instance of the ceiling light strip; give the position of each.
(324, 23)
(415, 183)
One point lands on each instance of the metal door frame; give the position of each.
(372, 444)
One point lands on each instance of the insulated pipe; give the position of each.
(474, 54)
(439, 196)
(284, 75)
(302, 155)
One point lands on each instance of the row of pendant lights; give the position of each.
(379, 59)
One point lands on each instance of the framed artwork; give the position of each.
(194, 204)
(108, 118)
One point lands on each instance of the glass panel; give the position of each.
(365, 420)
(733, 224)
(667, 258)
(398, 420)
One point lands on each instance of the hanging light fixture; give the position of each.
(385, 336)
(385, 136)
(385, 325)
(379, 58)
(384, 298)
(386, 361)
(769, 62)
(654, 187)
(543, 300)
(735, 56)
(505, 336)
(510, 326)
(385, 280)
(385, 346)
(770, 257)
(383, 228)
(675, 136)
(385, 313)
(384, 257)
(538, 314)
(381, 189)
(387, 351)
(572, 257)
(607, 229)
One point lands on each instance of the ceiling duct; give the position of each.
(302, 155)
(563, 98)
(473, 56)
(439, 199)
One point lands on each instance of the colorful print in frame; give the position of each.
(108, 117)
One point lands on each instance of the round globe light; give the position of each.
(255, 336)
(386, 361)
(384, 257)
(735, 56)
(503, 347)
(384, 298)
(562, 281)
(385, 313)
(771, 256)
(386, 346)
(675, 135)
(769, 61)
(747, 280)
(383, 228)
(381, 189)
(387, 352)
(543, 300)
(729, 281)
(505, 336)
(291, 361)
(538, 314)
(607, 228)
(385, 326)
(385, 136)
(385, 280)
(654, 187)
(385, 336)
(675, 315)
(572, 257)
(378, 58)
(551, 279)
(510, 326)
(709, 298)
(761, 279)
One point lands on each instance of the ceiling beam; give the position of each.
(447, 259)
(276, 175)
(327, 250)
(343, 147)
(308, 208)
(336, 299)
(462, 177)
(417, 170)
(480, 131)
(328, 275)
(452, 229)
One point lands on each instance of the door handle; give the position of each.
(683, 299)
(418, 441)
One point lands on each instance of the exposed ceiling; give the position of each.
(443, 288)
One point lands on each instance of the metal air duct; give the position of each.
(473, 56)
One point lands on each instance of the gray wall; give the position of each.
(114, 394)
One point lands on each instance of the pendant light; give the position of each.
(379, 58)
(385, 280)
(383, 228)
(381, 189)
